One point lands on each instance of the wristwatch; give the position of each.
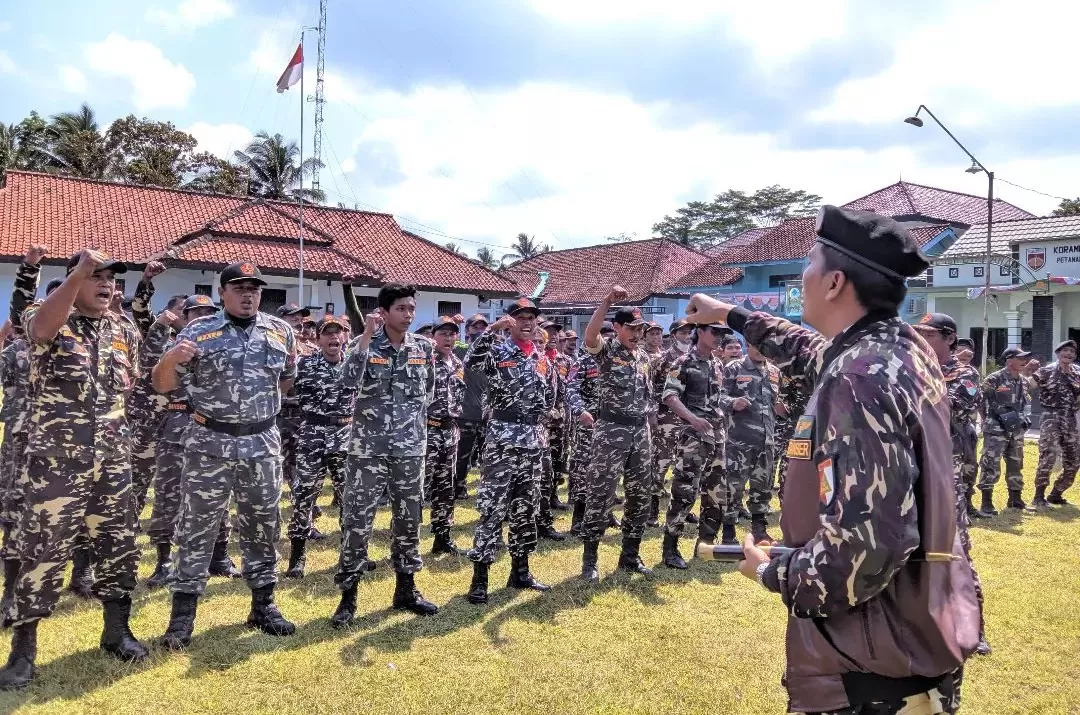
(761, 573)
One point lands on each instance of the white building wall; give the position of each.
(970, 274)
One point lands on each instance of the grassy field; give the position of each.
(706, 640)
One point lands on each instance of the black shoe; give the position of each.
(558, 505)
(221, 564)
(987, 509)
(116, 638)
(461, 494)
(744, 513)
(691, 518)
(589, 571)
(408, 598)
(314, 534)
(297, 558)
(630, 559)
(672, 558)
(613, 521)
(161, 571)
(316, 512)
(972, 512)
(759, 529)
(346, 609)
(478, 593)
(265, 614)
(1039, 500)
(550, 532)
(181, 622)
(1016, 502)
(983, 648)
(82, 575)
(520, 577)
(19, 670)
(1055, 498)
(577, 518)
(443, 544)
(7, 602)
(727, 535)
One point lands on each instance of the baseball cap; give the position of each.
(1065, 344)
(198, 301)
(653, 325)
(937, 321)
(329, 320)
(108, 264)
(476, 318)
(569, 335)
(628, 316)
(677, 325)
(965, 343)
(445, 322)
(521, 305)
(53, 285)
(1010, 353)
(718, 328)
(607, 327)
(235, 272)
(292, 309)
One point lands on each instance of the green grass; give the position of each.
(706, 640)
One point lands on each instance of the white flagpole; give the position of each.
(300, 299)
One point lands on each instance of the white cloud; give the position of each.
(7, 65)
(220, 139)
(191, 14)
(73, 79)
(155, 80)
(348, 165)
(5, 26)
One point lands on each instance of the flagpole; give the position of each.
(300, 287)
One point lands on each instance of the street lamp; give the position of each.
(975, 168)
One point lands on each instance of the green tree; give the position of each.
(1068, 207)
(702, 224)
(455, 247)
(273, 169)
(213, 174)
(623, 237)
(21, 144)
(73, 144)
(525, 247)
(486, 257)
(148, 152)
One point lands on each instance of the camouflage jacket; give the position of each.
(236, 378)
(560, 366)
(519, 390)
(794, 393)
(323, 394)
(473, 402)
(582, 393)
(699, 384)
(15, 379)
(79, 382)
(145, 406)
(625, 381)
(290, 401)
(965, 395)
(27, 280)
(141, 313)
(1059, 387)
(394, 387)
(449, 387)
(760, 384)
(1003, 393)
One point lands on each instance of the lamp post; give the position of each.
(975, 168)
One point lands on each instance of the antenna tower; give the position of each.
(320, 99)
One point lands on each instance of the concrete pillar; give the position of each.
(931, 304)
(1012, 321)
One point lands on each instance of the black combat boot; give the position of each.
(116, 638)
(1054, 497)
(691, 518)
(11, 575)
(983, 648)
(727, 535)
(265, 614)
(1016, 501)
(478, 592)
(630, 558)
(744, 513)
(346, 609)
(314, 534)
(613, 521)
(19, 670)
(589, 571)
(221, 564)
(181, 622)
(1039, 501)
(972, 512)
(161, 570)
(759, 528)
(444, 544)
(654, 513)
(297, 558)
(520, 577)
(82, 575)
(672, 558)
(577, 517)
(316, 512)
(556, 503)
(408, 598)
(548, 531)
(987, 509)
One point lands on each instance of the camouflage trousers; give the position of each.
(288, 423)
(168, 474)
(65, 498)
(440, 465)
(205, 488)
(12, 458)
(996, 444)
(580, 463)
(559, 439)
(963, 528)
(665, 447)
(544, 516)
(753, 463)
(943, 700)
(470, 446)
(698, 458)
(618, 450)
(785, 427)
(1058, 437)
(313, 461)
(509, 489)
(366, 478)
(143, 462)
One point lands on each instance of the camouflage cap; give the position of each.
(329, 321)
(476, 318)
(445, 322)
(677, 325)
(878, 242)
(107, 264)
(965, 343)
(246, 271)
(653, 325)
(292, 309)
(607, 327)
(1010, 353)
(1065, 344)
(521, 305)
(198, 301)
(569, 335)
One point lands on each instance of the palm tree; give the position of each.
(486, 257)
(75, 145)
(271, 164)
(455, 247)
(525, 247)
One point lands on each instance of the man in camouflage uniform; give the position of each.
(1005, 395)
(549, 423)
(169, 456)
(234, 367)
(751, 386)
(442, 434)
(692, 392)
(730, 350)
(472, 423)
(288, 420)
(789, 408)
(519, 394)
(1059, 393)
(393, 372)
(326, 406)
(622, 443)
(83, 362)
(583, 401)
(558, 426)
(668, 426)
(882, 609)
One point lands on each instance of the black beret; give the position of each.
(876, 241)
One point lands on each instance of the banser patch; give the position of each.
(209, 336)
(417, 361)
(508, 363)
(800, 445)
(379, 360)
(798, 449)
(120, 345)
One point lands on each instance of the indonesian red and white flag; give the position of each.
(292, 73)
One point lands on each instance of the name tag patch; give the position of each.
(209, 336)
(798, 449)
(378, 361)
(417, 361)
(120, 345)
(508, 363)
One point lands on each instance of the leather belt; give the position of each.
(231, 428)
(515, 417)
(621, 419)
(327, 420)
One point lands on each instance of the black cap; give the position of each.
(719, 328)
(198, 301)
(521, 305)
(476, 318)
(445, 322)
(937, 321)
(1065, 344)
(292, 309)
(53, 285)
(108, 264)
(878, 242)
(965, 343)
(1010, 353)
(628, 316)
(677, 325)
(607, 327)
(236, 272)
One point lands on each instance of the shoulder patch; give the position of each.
(209, 336)
(804, 427)
(826, 481)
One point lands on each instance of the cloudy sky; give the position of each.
(576, 119)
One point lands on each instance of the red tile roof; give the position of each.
(583, 276)
(746, 237)
(139, 223)
(906, 199)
